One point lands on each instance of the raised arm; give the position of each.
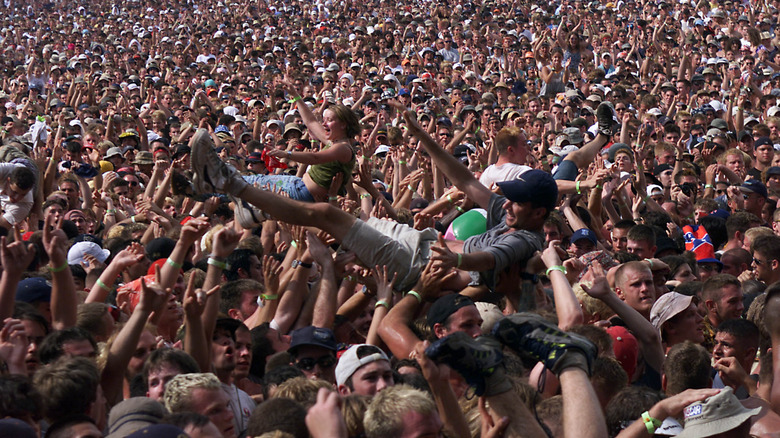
(123, 347)
(649, 338)
(63, 289)
(15, 258)
(314, 126)
(452, 168)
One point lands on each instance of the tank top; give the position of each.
(322, 174)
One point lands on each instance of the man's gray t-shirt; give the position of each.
(507, 248)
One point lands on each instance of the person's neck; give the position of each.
(762, 166)
(504, 159)
(224, 376)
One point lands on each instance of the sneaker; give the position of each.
(604, 117)
(558, 350)
(210, 173)
(247, 215)
(479, 361)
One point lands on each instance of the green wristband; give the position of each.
(415, 294)
(556, 268)
(59, 269)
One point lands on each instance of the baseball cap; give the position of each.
(77, 252)
(354, 358)
(535, 186)
(16, 428)
(316, 336)
(442, 308)
(667, 307)
(33, 289)
(774, 170)
(761, 141)
(754, 186)
(717, 414)
(654, 189)
(613, 150)
(584, 233)
(255, 157)
(625, 347)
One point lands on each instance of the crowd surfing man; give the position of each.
(336, 220)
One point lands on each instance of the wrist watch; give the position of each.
(297, 263)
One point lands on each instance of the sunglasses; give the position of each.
(710, 268)
(133, 183)
(308, 363)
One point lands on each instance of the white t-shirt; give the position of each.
(16, 212)
(499, 173)
(242, 405)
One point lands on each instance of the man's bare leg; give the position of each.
(587, 153)
(582, 415)
(332, 220)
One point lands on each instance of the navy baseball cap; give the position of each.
(316, 336)
(34, 289)
(535, 186)
(584, 233)
(754, 186)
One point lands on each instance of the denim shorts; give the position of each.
(290, 184)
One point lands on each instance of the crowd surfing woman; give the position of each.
(337, 131)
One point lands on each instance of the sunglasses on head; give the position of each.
(308, 363)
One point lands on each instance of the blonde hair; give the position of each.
(302, 390)
(353, 409)
(178, 391)
(384, 417)
(755, 233)
(592, 306)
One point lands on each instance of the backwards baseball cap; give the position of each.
(446, 306)
(354, 358)
(535, 186)
(584, 233)
(754, 186)
(717, 414)
(667, 307)
(315, 336)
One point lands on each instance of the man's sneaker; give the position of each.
(544, 341)
(210, 173)
(605, 119)
(479, 361)
(247, 215)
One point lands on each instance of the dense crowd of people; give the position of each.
(342, 219)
